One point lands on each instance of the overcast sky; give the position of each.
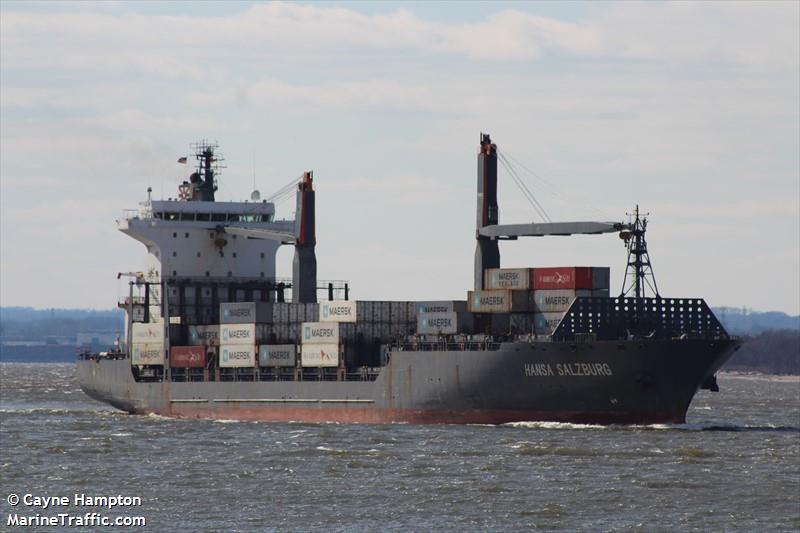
(689, 109)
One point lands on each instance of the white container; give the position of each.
(204, 335)
(230, 334)
(556, 300)
(237, 355)
(147, 333)
(507, 278)
(147, 354)
(337, 311)
(277, 355)
(320, 355)
(320, 333)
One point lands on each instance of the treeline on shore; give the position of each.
(771, 352)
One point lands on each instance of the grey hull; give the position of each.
(602, 382)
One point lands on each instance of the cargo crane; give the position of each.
(489, 231)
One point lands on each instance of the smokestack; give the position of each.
(304, 265)
(487, 251)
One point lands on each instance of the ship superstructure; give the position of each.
(213, 332)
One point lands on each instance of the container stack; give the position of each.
(554, 290)
(381, 321)
(147, 343)
(443, 318)
(522, 301)
(237, 332)
(321, 344)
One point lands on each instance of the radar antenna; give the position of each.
(639, 276)
(203, 182)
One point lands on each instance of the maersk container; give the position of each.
(444, 323)
(231, 334)
(556, 300)
(561, 278)
(601, 278)
(499, 301)
(315, 355)
(147, 333)
(237, 355)
(545, 323)
(507, 278)
(187, 356)
(204, 335)
(320, 333)
(337, 311)
(442, 306)
(245, 312)
(437, 323)
(147, 353)
(277, 355)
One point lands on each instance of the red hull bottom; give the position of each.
(350, 415)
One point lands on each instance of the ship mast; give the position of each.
(639, 276)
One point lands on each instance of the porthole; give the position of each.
(175, 235)
(198, 254)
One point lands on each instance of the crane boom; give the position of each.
(512, 231)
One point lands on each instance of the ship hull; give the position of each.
(624, 382)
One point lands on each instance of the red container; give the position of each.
(561, 278)
(187, 357)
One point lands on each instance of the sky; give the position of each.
(688, 109)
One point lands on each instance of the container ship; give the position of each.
(212, 332)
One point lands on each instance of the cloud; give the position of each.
(734, 33)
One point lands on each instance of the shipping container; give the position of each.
(561, 278)
(601, 278)
(399, 313)
(556, 300)
(147, 353)
(445, 306)
(277, 355)
(237, 355)
(545, 323)
(499, 301)
(230, 334)
(204, 335)
(147, 333)
(320, 332)
(521, 323)
(245, 312)
(507, 278)
(347, 332)
(337, 311)
(320, 355)
(187, 356)
(442, 323)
